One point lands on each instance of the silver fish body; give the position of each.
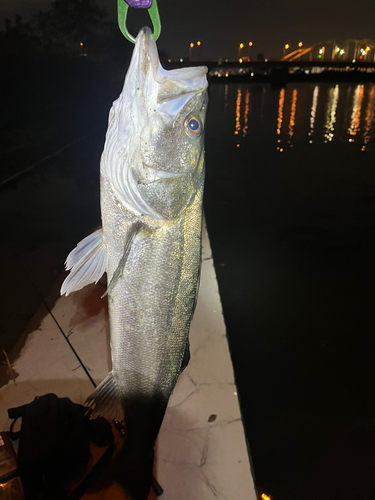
(152, 177)
(151, 304)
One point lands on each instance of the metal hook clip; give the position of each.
(150, 5)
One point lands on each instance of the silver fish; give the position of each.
(152, 177)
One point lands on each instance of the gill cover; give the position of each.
(147, 145)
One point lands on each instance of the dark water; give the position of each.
(290, 208)
(298, 115)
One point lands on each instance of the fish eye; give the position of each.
(193, 126)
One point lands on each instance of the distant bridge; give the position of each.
(268, 65)
(331, 50)
(281, 72)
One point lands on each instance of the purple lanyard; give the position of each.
(139, 4)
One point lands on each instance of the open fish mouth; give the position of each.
(149, 60)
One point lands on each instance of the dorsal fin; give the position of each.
(87, 263)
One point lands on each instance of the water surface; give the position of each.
(298, 115)
(290, 208)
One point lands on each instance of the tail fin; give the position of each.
(106, 400)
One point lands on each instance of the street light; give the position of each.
(364, 53)
(240, 47)
(191, 46)
(337, 52)
(190, 50)
(300, 44)
(321, 53)
(250, 50)
(198, 54)
(286, 47)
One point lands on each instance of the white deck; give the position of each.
(201, 450)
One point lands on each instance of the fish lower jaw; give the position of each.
(151, 174)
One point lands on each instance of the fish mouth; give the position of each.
(147, 52)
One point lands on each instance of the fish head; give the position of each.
(154, 153)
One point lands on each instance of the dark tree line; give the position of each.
(73, 27)
(77, 28)
(45, 72)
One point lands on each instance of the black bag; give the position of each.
(54, 447)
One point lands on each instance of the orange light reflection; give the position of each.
(292, 113)
(280, 111)
(369, 117)
(246, 113)
(356, 113)
(238, 112)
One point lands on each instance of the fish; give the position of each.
(152, 172)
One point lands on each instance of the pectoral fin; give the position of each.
(87, 263)
(121, 265)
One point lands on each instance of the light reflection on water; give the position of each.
(313, 111)
(356, 113)
(241, 118)
(333, 99)
(292, 115)
(280, 111)
(247, 109)
(369, 117)
(238, 112)
(302, 113)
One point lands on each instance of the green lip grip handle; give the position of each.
(150, 5)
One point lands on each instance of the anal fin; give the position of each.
(106, 400)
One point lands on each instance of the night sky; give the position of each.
(222, 24)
